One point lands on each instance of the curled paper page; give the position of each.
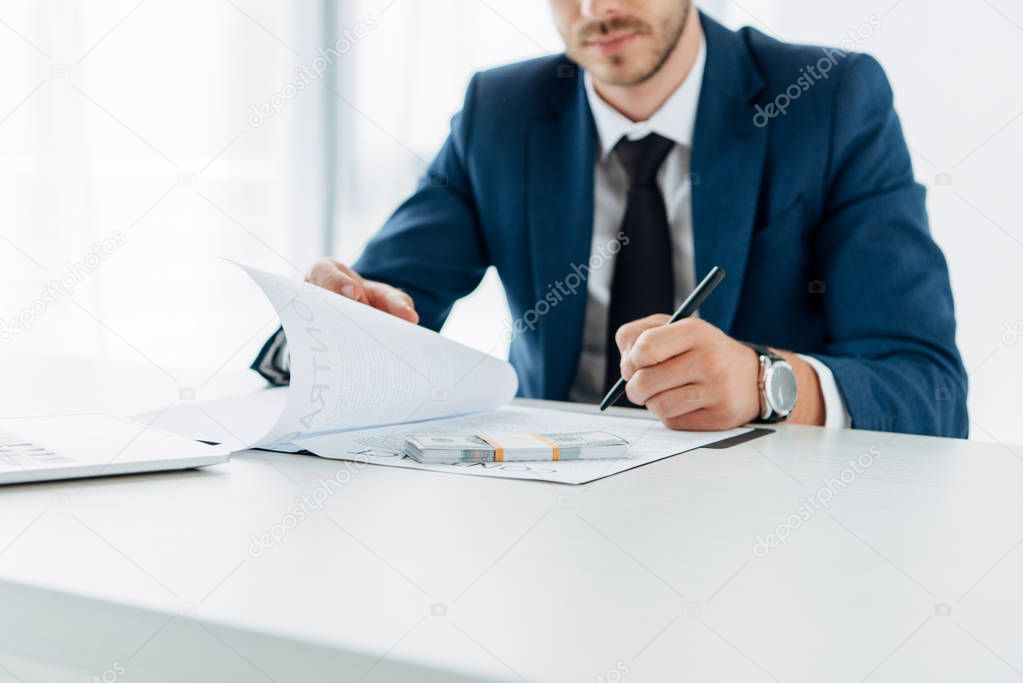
(354, 367)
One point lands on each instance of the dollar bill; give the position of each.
(472, 448)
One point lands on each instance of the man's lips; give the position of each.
(612, 43)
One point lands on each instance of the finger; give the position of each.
(658, 344)
(679, 401)
(647, 382)
(626, 335)
(337, 278)
(391, 300)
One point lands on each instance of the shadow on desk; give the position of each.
(741, 439)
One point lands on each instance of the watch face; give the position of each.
(780, 388)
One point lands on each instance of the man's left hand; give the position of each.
(690, 374)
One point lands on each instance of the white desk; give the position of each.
(913, 573)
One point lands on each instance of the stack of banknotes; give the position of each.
(472, 448)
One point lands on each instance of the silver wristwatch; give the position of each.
(776, 382)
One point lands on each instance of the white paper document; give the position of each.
(353, 366)
(237, 423)
(362, 379)
(649, 440)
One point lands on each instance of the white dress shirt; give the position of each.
(676, 121)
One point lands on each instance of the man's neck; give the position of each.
(639, 102)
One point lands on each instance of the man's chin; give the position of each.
(619, 72)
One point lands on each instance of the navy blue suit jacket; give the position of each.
(815, 216)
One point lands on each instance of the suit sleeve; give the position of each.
(889, 309)
(433, 246)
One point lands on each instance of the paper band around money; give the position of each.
(500, 448)
(555, 448)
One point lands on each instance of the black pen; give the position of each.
(688, 307)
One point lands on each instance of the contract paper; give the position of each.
(361, 380)
(353, 366)
(649, 441)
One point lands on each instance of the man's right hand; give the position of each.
(341, 279)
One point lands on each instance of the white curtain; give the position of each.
(131, 159)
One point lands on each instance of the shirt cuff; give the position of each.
(836, 416)
(273, 361)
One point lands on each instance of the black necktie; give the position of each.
(644, 280)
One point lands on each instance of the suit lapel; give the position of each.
(727, 164)
(560, 216)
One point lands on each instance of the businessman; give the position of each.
(603, 183)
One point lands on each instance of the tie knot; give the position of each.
(643, 158)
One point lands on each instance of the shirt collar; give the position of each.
(675, 119)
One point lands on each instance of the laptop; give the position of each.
(93, 445)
